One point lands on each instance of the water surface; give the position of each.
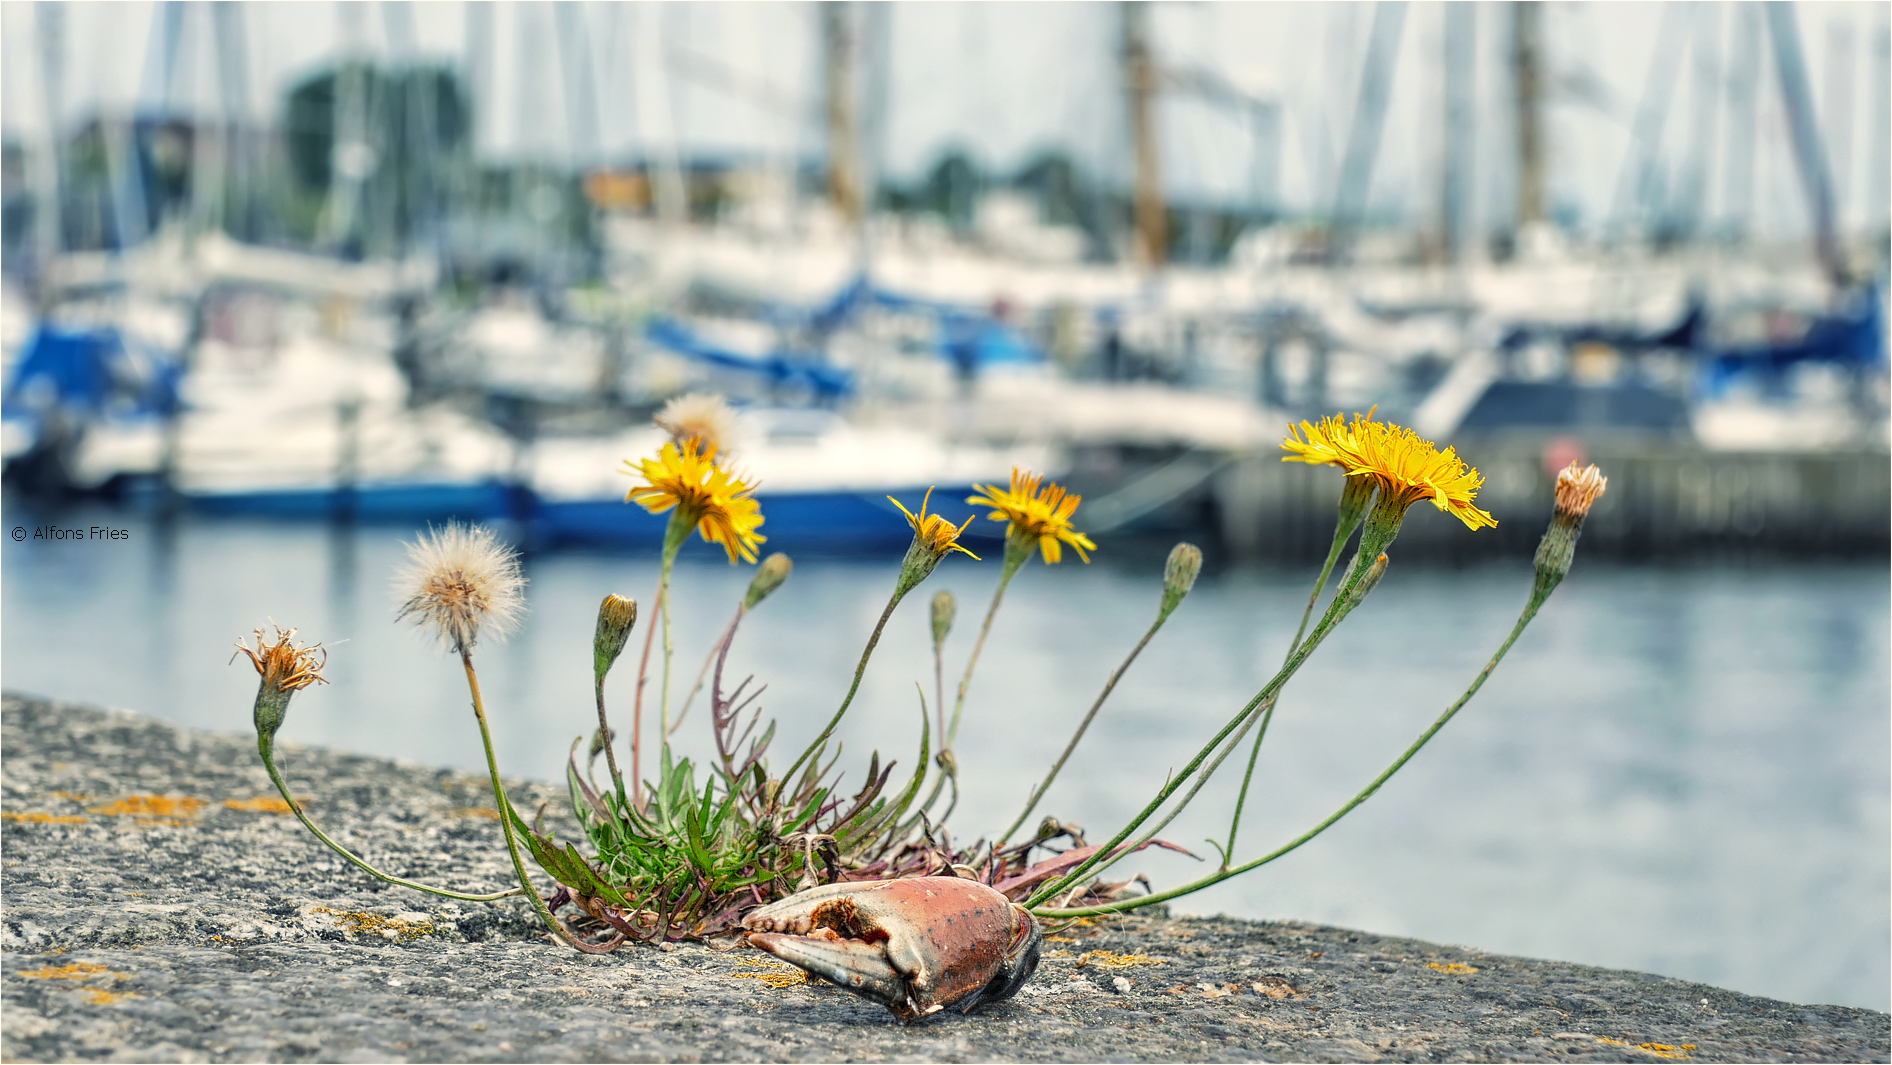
(1677, 771)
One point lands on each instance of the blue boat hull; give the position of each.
(831, 521)
(827, 521)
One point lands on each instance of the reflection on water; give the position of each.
(1683, 772)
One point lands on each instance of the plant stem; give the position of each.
(1224, 874)
(1241, 797)
(1343, 530)
(1109, 686)
(899, 593)
(604, 733)
(637, 721)
(1017, 553)
(506, 813)
(266, 746)
(674, 535)
(1377, 537)
(1202, 777)
(939, 690)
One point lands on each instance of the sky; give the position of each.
(1005, 81)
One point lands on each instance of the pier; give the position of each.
(1666, 501)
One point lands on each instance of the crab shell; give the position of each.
(915, 946)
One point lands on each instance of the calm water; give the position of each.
(1683, 772)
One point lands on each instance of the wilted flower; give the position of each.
(286, 669)
(702, 417)
(459, 580)
(1577, 491)
(1038, 516)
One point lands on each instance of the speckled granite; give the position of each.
(150, 915)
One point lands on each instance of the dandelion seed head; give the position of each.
(703, 417)
(461, 581)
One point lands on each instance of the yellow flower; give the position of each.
(711, 499)
(1328, 441)
(933, 532)
(1405, 468)
(1037, 514)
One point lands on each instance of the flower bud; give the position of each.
(773, 571)
(1179, 574)
(944, 607)
(1368, 581)
(616, 617)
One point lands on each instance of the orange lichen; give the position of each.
(1105, 959)
(78, 970)
(1274, 987)
(1660, 1050)
(153, 809)
(42, 818)
(774, 973)
(262, 804)
(396, 928)
(1452, 967)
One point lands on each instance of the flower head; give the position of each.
(1040, 516)
(702, 417)
(1405, 468)
(933, 532)
(283, 665)
(286, 669)
(933, 539)
(1578, 490)
(709, 497)
(461, 579)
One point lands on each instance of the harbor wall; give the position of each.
(1665, 501)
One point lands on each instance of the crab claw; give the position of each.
(915, 946)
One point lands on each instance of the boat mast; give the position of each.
(1527, 79)
(1369, 120)
(1139, 69)
(1807, 150)
(49, 21)
(1455, 186)
(844, 177)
